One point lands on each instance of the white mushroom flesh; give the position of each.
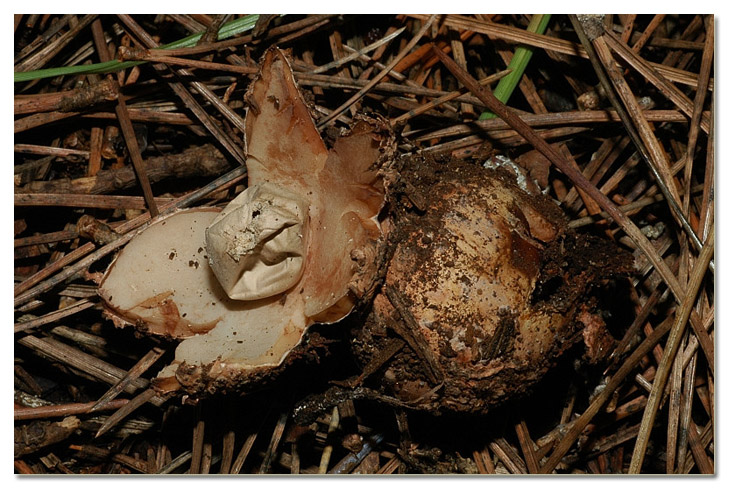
(283, 255)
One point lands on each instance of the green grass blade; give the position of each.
(519, 62)
(229, 29)
(99, 68)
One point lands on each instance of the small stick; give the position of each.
(198, 434)
(204, 160)
(350, 462)
(53, 237)
(481, 467)
(175, 463)
(358, 53)
(39, 119)
(523, 435)
(206, 458)
(134, 152)
(135, 372)
(686, 411)
(699, 101)
(193, 25)
(608, 442)
(53, 316)
(303, 31)
(96, 141)
(211, 31)
(648, 32)
(707, 210)
(274, 443)
(446, 98)
(638, 322)
(505, 138)
(84, 201)
(330, 81)
(229, 440)
(49, 150)
(127, 409)
(606, 154)
(673, 406)
(324, 461)
(541, 120)
(508, 456)
(243, 453)
(66, 101)
(63, 410)
(589, 203)
(457, 50)
(203, 65)
(433, 370)
(383, 356)
(704, 463)
(296, 463)
(48, 271)
(628, 27)
(98, 452)
(145, 116)
(626, 208)
(390, 466)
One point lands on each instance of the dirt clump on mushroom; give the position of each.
(486, 288)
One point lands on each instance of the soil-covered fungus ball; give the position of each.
(485, 289)
(302, 244)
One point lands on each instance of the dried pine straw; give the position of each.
(614, 116)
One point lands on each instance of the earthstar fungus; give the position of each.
(301, 245)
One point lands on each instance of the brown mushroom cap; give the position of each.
(343, 194)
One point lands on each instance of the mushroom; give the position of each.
(486, 288)
(300, 245)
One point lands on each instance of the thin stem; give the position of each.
(229, 29)
(518, 64)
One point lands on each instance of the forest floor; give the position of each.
(121, 118)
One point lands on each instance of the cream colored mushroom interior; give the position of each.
(277, 259)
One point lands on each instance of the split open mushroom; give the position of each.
(240, 286)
